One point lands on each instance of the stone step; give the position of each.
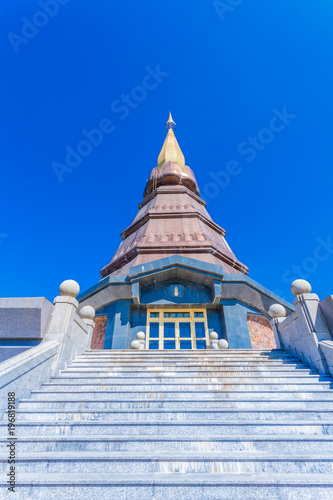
(178, 405)
(241, 443)
(185, 416)
(182, 367)
(194, 428)
(187, 363)
(192, 371)
(196, 386)
(177, 359)
(195, 358)
(175, 486)
(288, 370)
(203, 395)
(198, 363)
(193, 354)
(186, 352)
(170, 378)
(171, 462)
(184, 359)
(188, 424)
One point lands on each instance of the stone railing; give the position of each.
(305, 332)
(68, 335)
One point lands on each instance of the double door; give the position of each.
(177, 329)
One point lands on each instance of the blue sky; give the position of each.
(249, 84)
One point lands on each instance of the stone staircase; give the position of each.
(178, 425)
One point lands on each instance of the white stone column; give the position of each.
(61, 325)
(65, 306)
(278, 314)
(87, 314)
(311, 324)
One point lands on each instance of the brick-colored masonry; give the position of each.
(261, 334)
(98, 336)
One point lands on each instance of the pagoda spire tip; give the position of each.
(170, 124)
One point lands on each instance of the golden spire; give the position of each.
(170, 150)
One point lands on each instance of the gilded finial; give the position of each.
(170, 124)
(170, 150)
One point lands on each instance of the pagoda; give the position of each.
(174, 277)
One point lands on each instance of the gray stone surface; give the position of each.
(22, 318)
(326, 347)
(303, 330)
(68, 329)
(326, 307)
(26, 371)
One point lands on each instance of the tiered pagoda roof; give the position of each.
(172, 219)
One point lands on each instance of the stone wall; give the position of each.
(261, 333)
(98, 335)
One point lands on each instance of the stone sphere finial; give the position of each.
(213, 336)
(277, 311)
(87, 312)
(140, 335)
(135, 344)
(300, 286)
(69, 288)
(223, 344)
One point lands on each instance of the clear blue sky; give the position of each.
(224, 71)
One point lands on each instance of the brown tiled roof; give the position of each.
(172, 219)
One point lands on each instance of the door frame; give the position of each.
(161, 319)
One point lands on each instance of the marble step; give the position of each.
(187, 362)
(185, 352)
(189, 359)
(171, 416)
(171, 359)
(96, 371)
(193, 371)
(181, 368)
(203, 395)
(178, 405)
(152, 378)
(201, 355)
(171, 462)
(194, 386)
(175, 486)
(193, 428)
(241, 443)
